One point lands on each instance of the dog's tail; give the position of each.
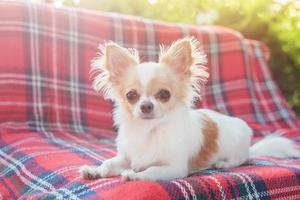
(276, 146)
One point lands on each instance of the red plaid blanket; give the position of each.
(52, 122)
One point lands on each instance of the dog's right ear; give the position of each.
(118, 59)
(108, 68)
(179, 56)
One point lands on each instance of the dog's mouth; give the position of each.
(150, 116)
(147, 117)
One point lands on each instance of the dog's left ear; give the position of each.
(110, 66)
(118, 59)
(178, 56)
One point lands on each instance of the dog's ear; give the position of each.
(118, 59)
(110, 66)
(186, 58)
(178, 56)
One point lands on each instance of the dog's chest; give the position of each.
(146, 151)
(142, 157)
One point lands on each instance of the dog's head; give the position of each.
(150, 90)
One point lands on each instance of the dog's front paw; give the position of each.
(89, 172)
(93, 172)
(130, 175)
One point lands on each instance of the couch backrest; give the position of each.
(45, 55)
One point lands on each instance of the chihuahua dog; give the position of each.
(160, 135)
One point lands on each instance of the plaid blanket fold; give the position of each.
(52, 122)
(34, 166)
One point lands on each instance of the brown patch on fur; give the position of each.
(209, 147)
(165, 78)
(129, 81)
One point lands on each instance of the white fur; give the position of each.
(276, 146)
(145, 72)
(160, 148)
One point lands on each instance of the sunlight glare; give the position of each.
(152, 1)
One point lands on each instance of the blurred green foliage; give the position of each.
(276, 23)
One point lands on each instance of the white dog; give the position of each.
(161, 137)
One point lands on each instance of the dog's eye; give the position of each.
(132, 96)
(163, 95)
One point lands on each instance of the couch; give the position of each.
(52, 122)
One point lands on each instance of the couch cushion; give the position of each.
(45, 83)
(35, 166)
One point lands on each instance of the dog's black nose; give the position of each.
(146, 107)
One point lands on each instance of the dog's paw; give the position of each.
(130, 175)
(89, 172)
(93, 172)
(223, 164)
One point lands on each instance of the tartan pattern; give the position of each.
(34, 166)
(51, 122)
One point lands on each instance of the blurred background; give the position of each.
(274, 22)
